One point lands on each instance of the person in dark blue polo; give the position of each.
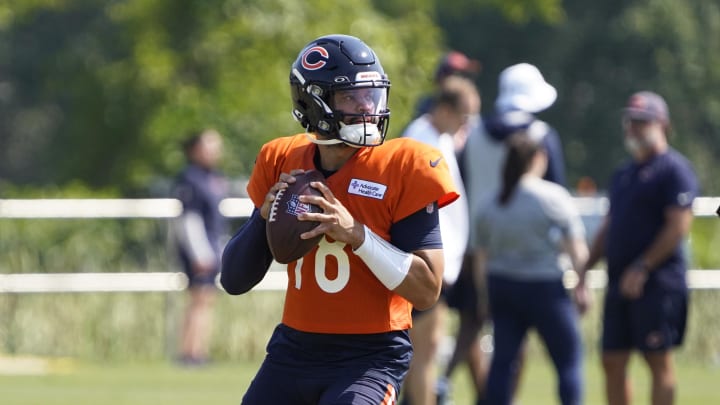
(642, 239)
(199, 234)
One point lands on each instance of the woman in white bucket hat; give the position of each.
(523, 88)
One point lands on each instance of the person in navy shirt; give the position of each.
(199, 234)
(641, 239)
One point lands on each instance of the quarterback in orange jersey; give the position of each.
(344, 338)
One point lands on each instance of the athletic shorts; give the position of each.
(196, 280)
(323, 369)
(465, 296)
(654, 322)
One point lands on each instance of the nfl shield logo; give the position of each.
(295, 207)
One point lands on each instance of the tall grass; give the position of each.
(143, 326)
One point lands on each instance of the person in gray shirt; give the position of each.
(528, 235)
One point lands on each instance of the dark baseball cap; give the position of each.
(647, 106)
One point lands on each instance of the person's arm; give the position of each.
(577, 250)
(411, 263)
(422, 284)
(246, 257)
(189, 230)
(677, 226)
(416, 276)
(419, 233)
(556, 161)
(597, 248)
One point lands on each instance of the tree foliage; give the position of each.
(597, 55)
(102, 92)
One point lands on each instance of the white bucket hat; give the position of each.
(522, 87)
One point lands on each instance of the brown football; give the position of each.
(283, 229)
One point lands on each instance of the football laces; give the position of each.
(274, 205)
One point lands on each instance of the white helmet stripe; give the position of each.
(298, 76)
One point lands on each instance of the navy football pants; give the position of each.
(321, 369)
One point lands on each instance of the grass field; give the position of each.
(143, 382)
(73, 383)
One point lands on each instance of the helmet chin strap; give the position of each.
(355, 135)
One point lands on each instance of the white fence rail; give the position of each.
(276, 279)
(230, 207)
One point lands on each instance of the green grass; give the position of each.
(697, 384)
(136, 384)
(162, 383)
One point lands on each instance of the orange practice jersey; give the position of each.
(331, 290)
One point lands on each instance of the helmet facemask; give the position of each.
(361, 114)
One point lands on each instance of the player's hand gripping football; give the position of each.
(335, 220)
(282, 183)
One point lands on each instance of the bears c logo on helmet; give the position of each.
(322, 60)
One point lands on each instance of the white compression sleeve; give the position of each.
(388, 263)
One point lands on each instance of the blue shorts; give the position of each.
(196, 280)
(654, 322)
(463, 295)
(323, 369)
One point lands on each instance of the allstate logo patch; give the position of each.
(295, 207)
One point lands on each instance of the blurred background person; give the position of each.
(452, 105)
(522, 88)
(452, 64)
(522, 236)
(199, 235)
(641, 238)
(522, 93)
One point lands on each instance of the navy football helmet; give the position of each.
(329, 70)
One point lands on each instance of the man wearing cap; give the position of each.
(641, 239)
(453, 63)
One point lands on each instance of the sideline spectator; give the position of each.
(452, 64)
(522, 234)
(523, 92)
(198, 234)
(456, 100)
(642, 239)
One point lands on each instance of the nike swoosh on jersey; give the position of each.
(434, 163)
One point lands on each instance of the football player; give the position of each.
(344, 337)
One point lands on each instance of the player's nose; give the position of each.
(364, 105)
